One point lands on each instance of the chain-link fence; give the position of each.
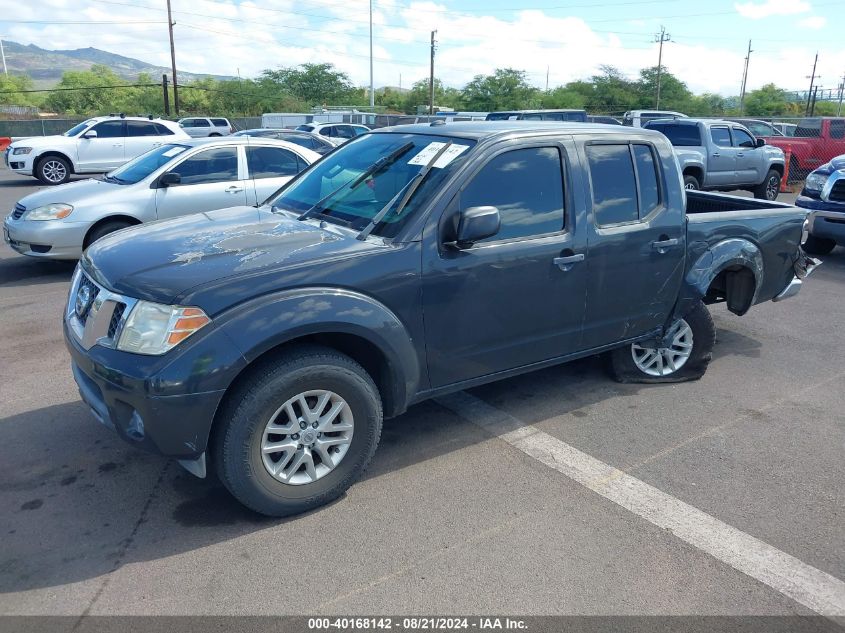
(50, 126)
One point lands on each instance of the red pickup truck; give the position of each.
(816, 141)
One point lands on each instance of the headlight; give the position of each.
(17, 151)
(54, 211)
(154, 329)
(815, 182)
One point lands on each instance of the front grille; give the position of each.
(116, 316)
(93, 289)
(837, 192)
(19, 211)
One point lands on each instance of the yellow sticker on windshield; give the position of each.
(429, 151)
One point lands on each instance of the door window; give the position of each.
(526, 185)
(200, 123)
(328, 131)
(211, 165)
(220, 122)
(721, 136)
(163, 130)
(272, 162)
(743, 139)
(613, 183)
(646, 179)
(109, 129)
(141, 128)
(837, 128)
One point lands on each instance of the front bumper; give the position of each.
(21, 163)
(49, 239)
(828, 225)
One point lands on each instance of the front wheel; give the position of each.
(691, 183)
(769, 188)
(53, 170)
(685, 356)
(299, 433)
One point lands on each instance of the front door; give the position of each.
(210, 180)
(721, 163)
(749, 159)
(509, 300)
(636, 243)
(105, 151)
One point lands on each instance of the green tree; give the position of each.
(563, 97)
(611, 91)
(418, 96)
(766, 101)
(315, 84)
(505, 89)
(9, 84)
(91, 91)
(674, 94)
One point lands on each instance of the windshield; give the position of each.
(76, 129)
(356, 206)
(305, 128)
(145, 164)
(680, 135)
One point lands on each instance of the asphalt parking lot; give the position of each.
(456, 514)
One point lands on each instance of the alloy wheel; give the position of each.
(663, 361)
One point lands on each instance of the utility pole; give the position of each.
(166, 94)
(3, 55)
(173, 60)
(372, 93)
(812, 79)
(841, 90)
(547, 78)
(744, 80)
(661, 37)
(431, 78)
(813, 102)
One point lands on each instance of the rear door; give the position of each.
(141, 136)
(721, 162)
(636, 242)
(749, 159)
(269, 168)
(212, 178)
(106, 151)
(197, 128)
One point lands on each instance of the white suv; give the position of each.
(200, 127)
(335, 133)
(91, 147)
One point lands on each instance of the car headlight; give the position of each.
(154, 329)
(815, 182)
(54, 211)
(18, 151)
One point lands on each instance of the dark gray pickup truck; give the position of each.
(268, 343)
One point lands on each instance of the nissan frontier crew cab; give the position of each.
(268, 343)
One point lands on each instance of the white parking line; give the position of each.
(805, 584)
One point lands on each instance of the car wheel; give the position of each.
(53, 170)
(769, 188)
(214, 134)
(104, 229)
(818, 245)
(300, 433)
(689, 350)
(691, 183)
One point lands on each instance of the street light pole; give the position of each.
(3, 55)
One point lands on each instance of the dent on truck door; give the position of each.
(636, 244)
(508, 300)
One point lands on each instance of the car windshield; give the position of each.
(76, 129)
(679, 134)
(355, 206)
(145, 164)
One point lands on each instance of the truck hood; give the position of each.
(162, 260)
(88, 192)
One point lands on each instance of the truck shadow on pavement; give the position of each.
(20, 270)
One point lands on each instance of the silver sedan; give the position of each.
(171, 180)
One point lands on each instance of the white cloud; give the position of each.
(755, 10)
(813, 22)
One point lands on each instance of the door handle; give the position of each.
(716, 154)
(661, 246)
(740, 155)
(118, 145)
(234, 189)
(565, 263)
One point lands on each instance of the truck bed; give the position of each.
(707, 202)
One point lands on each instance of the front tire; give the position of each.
(818, 245)
(299, 433)
(769, 188)
(104, 229)
(686, 358)
(53, 170)
(691, 183)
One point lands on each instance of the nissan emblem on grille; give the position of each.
(84, 298)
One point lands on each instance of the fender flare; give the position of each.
(53, 152)
(269, 321)
(718, 257)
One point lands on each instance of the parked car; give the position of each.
(760, 129)
(336, 133)
(93, 146)
(174, 179)
(200, 127)
(272, 341)
(723, 156)
(607, 120)
(786, 129)
(638, 118)
(824, 195)
(314, 142)
(539, 115)
(815, 141)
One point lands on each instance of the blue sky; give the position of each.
(568, 38)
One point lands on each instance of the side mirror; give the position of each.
(760, 142)
(475, 224)
(90, 134)
(168, 179)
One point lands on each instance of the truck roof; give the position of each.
(482, 130)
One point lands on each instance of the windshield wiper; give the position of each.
(377, 166)
(110, 178)
(406, 192)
